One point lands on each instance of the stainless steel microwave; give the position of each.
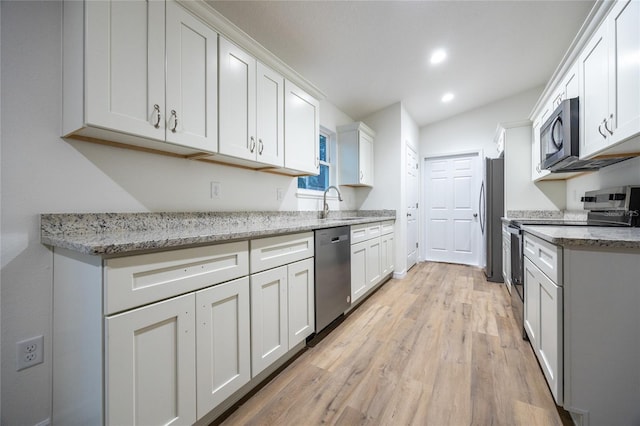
(559, 136)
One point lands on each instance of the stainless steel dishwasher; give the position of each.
(332, 274)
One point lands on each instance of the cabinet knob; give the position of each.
(156, 110)
(252, 144)
(174, 115)
(260, 146)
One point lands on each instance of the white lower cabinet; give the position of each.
(151, 376)
(300, 301)
(150, 372)
(387, 251)
(268, 318)
(223, 342)
(282, 298)
(174, 326)
(543, 309)
(372, 256)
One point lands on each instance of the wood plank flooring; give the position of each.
(439, 347)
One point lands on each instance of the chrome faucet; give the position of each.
(325, 211)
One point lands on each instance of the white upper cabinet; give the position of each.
(301, 131)
(114, 75)
(610, 83)
(192, 81)
(624, 66)
(355, 143)
(251, 107)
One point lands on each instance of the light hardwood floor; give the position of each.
(439, 347)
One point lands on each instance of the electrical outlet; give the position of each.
(29, 352)
(215, 190)
(279, 194)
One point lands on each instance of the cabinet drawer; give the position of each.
(546, 256)
(386, 227)
(138, 280)
(267, 253)
(365, 231)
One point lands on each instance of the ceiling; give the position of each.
(367, 55)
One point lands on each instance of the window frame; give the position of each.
(331, 146)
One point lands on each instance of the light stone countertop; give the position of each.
(113, 234)
(587, 236)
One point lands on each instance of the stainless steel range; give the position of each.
(617, 206)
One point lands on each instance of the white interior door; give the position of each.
(412, 206)
(452, 228)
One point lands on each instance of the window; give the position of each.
(320, 182)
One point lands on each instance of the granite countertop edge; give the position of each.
(113, 234)
(587, 236)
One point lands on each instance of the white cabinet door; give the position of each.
(594, 96)
(374, 255)
(624, 66)
(506, 257)
(358, 270)
(366, 159)
(301, 314)
(150, 369)
(532, 301)
(237, 101)
(543, 322)
(124, 67)
(192, 81)
(269, 336)
(550, 335)
(301, 130)
(537, 172)
(270, 116)
(387, 254)
(223, 342)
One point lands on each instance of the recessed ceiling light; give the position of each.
(438, 56)
(447, 97)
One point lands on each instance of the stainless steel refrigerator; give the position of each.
(491, 211)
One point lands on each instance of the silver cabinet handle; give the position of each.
(361, 175)
(260, 146)
(174, 115)
(538, 168)
(317, 162)
(606, 124)
(252, 144)
(600, 130)
(156, 110)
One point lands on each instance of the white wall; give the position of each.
(475, 130)
(520, 192)
(42, 173)
(394, 128)
(625, 173)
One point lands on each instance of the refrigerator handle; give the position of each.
(481, 208)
